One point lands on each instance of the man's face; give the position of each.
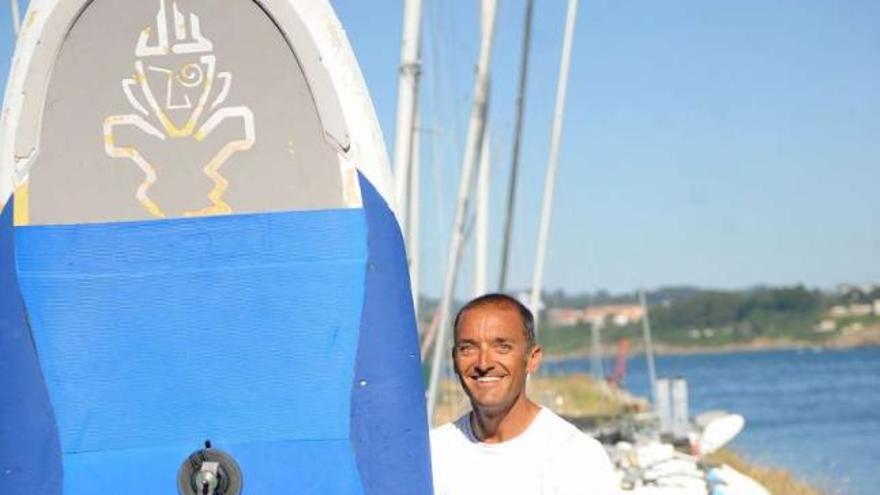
(492, 357)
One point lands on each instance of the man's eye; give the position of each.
(465, 348)
(505, 347)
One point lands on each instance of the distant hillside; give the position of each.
(684, 317)
(561, 299)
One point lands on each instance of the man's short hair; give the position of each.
(498, 299)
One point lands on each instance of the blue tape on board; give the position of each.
(30, 459)
(240, 329)
(389, 421)
(320, 467)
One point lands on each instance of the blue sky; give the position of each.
(720, 144)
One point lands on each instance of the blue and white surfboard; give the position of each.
(204, 285)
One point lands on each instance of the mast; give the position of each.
(649, 348)
(514, 166)
(482, 218)
(407, 102)
(414, 244)
(471, 156)
(16, 17)
(550, 183)
(596, 366)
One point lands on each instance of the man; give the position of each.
(507, 444)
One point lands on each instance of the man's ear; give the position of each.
(534, 360)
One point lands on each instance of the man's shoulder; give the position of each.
(443, 432)
(450, 433)
(566, 435)
(578, 460)
(555, 425)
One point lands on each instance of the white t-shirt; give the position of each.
(551, 457)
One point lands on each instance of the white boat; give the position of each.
(655, 467)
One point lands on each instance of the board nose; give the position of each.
(204, 274)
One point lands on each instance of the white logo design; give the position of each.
(182, 72)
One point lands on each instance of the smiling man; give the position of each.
(507, 444)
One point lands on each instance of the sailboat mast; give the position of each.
(550, 184)
(596, 351)
(16, 17)
(405, 142)
(414, 243)
(471, 156)
(407, 101)
(482, 217)
(649, 347)
(514, 166)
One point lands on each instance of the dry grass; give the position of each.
(571, 395)
(778, 481)
(581, 395)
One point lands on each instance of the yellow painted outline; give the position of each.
(110, 123)
(22, 200)
(211, 169)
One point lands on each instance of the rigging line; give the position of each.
(517, 140)
(414, 250)
(437, 143)
(456, 99)
(649, 346)
(446, 128)
(553, 161)
(407, 102)
(458, 90)
(476, 128)
(438, 137)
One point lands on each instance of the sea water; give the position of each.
(815, 412)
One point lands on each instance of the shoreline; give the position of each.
(869, 340)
